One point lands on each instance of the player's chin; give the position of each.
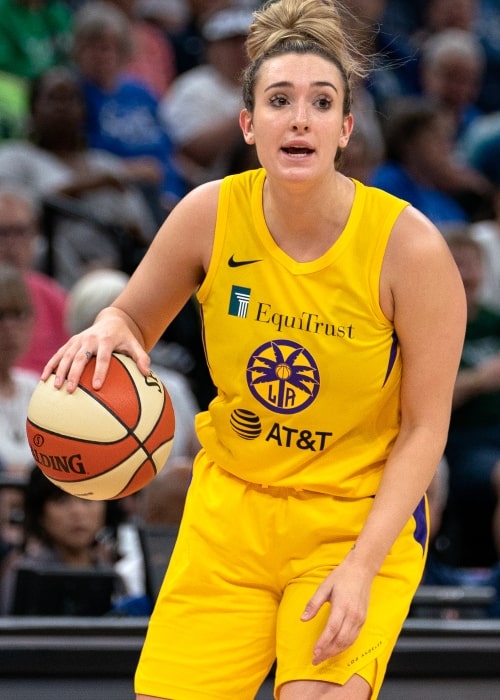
(303, 169)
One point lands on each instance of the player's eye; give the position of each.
(278, 100)
(323, 103)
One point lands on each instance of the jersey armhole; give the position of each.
(218, 241)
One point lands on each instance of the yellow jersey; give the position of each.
(307, 366)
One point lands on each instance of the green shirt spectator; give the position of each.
(482, 342)
(13, 105)
(34, 36)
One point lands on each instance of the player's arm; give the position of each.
(172, 269)
(429, 313)
(422, 291)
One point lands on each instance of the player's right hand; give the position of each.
(109, 334)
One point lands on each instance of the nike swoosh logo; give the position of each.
(238, 263)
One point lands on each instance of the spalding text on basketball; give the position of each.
(60, 463)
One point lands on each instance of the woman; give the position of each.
(61, 532)
(421, 165)
(121, 113)
(200, 110)
(333, 320)
(100, 213)
(473, 447)
(16, 384)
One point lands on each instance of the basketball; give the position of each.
(105, 444)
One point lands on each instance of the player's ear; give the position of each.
(246, 125)
(346, 131)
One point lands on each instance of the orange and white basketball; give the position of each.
(103, 444)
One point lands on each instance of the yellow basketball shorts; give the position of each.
(246, 561)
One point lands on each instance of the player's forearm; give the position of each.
(407, 475)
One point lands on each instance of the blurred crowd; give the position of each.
(110, 112)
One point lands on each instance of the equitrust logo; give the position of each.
(239, 301)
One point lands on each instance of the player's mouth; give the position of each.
(297, 151)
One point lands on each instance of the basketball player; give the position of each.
(333, 322)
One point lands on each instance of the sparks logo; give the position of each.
(283, 376)
(238, 303)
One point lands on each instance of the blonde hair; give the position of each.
(301, 26)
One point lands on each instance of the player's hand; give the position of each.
(347, 590)
(100, 340)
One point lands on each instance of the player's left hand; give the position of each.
(347, 589)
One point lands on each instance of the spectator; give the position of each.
(473, 448)
(108, 220)
(11, 519)
(451, 72)
(170, 15)
(11, 515)
(487, 28)
(480, 146)
(121, 114)
(153, 59)
(479, 16)
(34, 36)
(481, 149)
(421, 166)
(487, 234)
(202, 107)
(16, 385)
(439, 15)
(60, 529)
(13, 106)
(182, 21)
(19, 233)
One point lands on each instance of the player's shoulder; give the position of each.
(196, 215)
(414, 234)
(201, 199)
(203, 203)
